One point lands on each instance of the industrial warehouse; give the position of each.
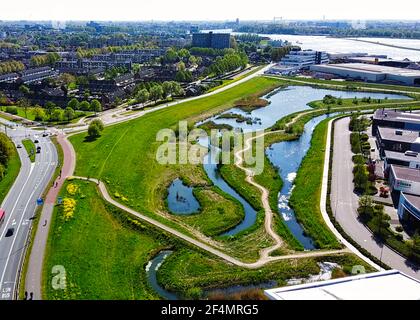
(370, 72)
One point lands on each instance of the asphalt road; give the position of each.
(344, 203)
(20, 205)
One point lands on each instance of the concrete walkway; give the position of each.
(36, 259)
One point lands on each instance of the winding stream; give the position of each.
(286, 155)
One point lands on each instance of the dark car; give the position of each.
(38, 149)
(10, 232)
(19, 146)
(36, 141)
(45, 134)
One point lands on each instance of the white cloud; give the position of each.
(207, 10)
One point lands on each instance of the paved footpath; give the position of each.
(36, 259)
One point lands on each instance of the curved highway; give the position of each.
(20, 205)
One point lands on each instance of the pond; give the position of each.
(287, 156)
(289, 100)
(181, 199)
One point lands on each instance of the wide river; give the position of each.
(340, 45)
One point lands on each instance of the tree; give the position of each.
(84, 105)
(39, 113)
(56, 115)
(95, 106)
(365, 209)
(142, 96)
(6, 149)
(49, 107)
(73, 103)
(414, 247)
(69, 114)
(3, 99)
(24, 90)
(24, 104)
(167, 88)
(95, 128)
(379, 222)
(156, 92)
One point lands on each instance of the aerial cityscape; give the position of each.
(250, 155)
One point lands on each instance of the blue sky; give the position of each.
(207, 10)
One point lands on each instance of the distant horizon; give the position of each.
(216, 10)
(210, 20)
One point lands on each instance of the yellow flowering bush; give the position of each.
(72, 189)
(69, 205)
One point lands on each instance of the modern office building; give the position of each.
(395, 119)
(410, 159)
(397, 140)
(371, 72)
(406, 182)
(304, 59)
(211, 40)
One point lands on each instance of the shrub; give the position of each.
(399, 229)
(358, 159)
(11, 110)
(95, 128)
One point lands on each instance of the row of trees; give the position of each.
(11, 66)
(48, 59)
(378, 221)
(228, 62)
(155, 91)
(6, 150)
(94, 105)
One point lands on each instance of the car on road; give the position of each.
(38, 149)
(19, 146)
(10, 232)
(45, 134)
(36, 141)
(2, 216)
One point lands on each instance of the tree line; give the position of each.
(11, 66)
(154, 91)
(6, 151)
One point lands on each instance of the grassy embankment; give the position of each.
(357, 86)
(124, 157)
(105, 251)
(12, 171)
(30, 148)
(230, 81)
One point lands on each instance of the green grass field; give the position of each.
(216, 215)
(12, 172)
(124, 156)
(306, 194)
(104, 253)
(30, 148)
(30, 115)
(200, 271)
(103, 258)
(348, 103)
